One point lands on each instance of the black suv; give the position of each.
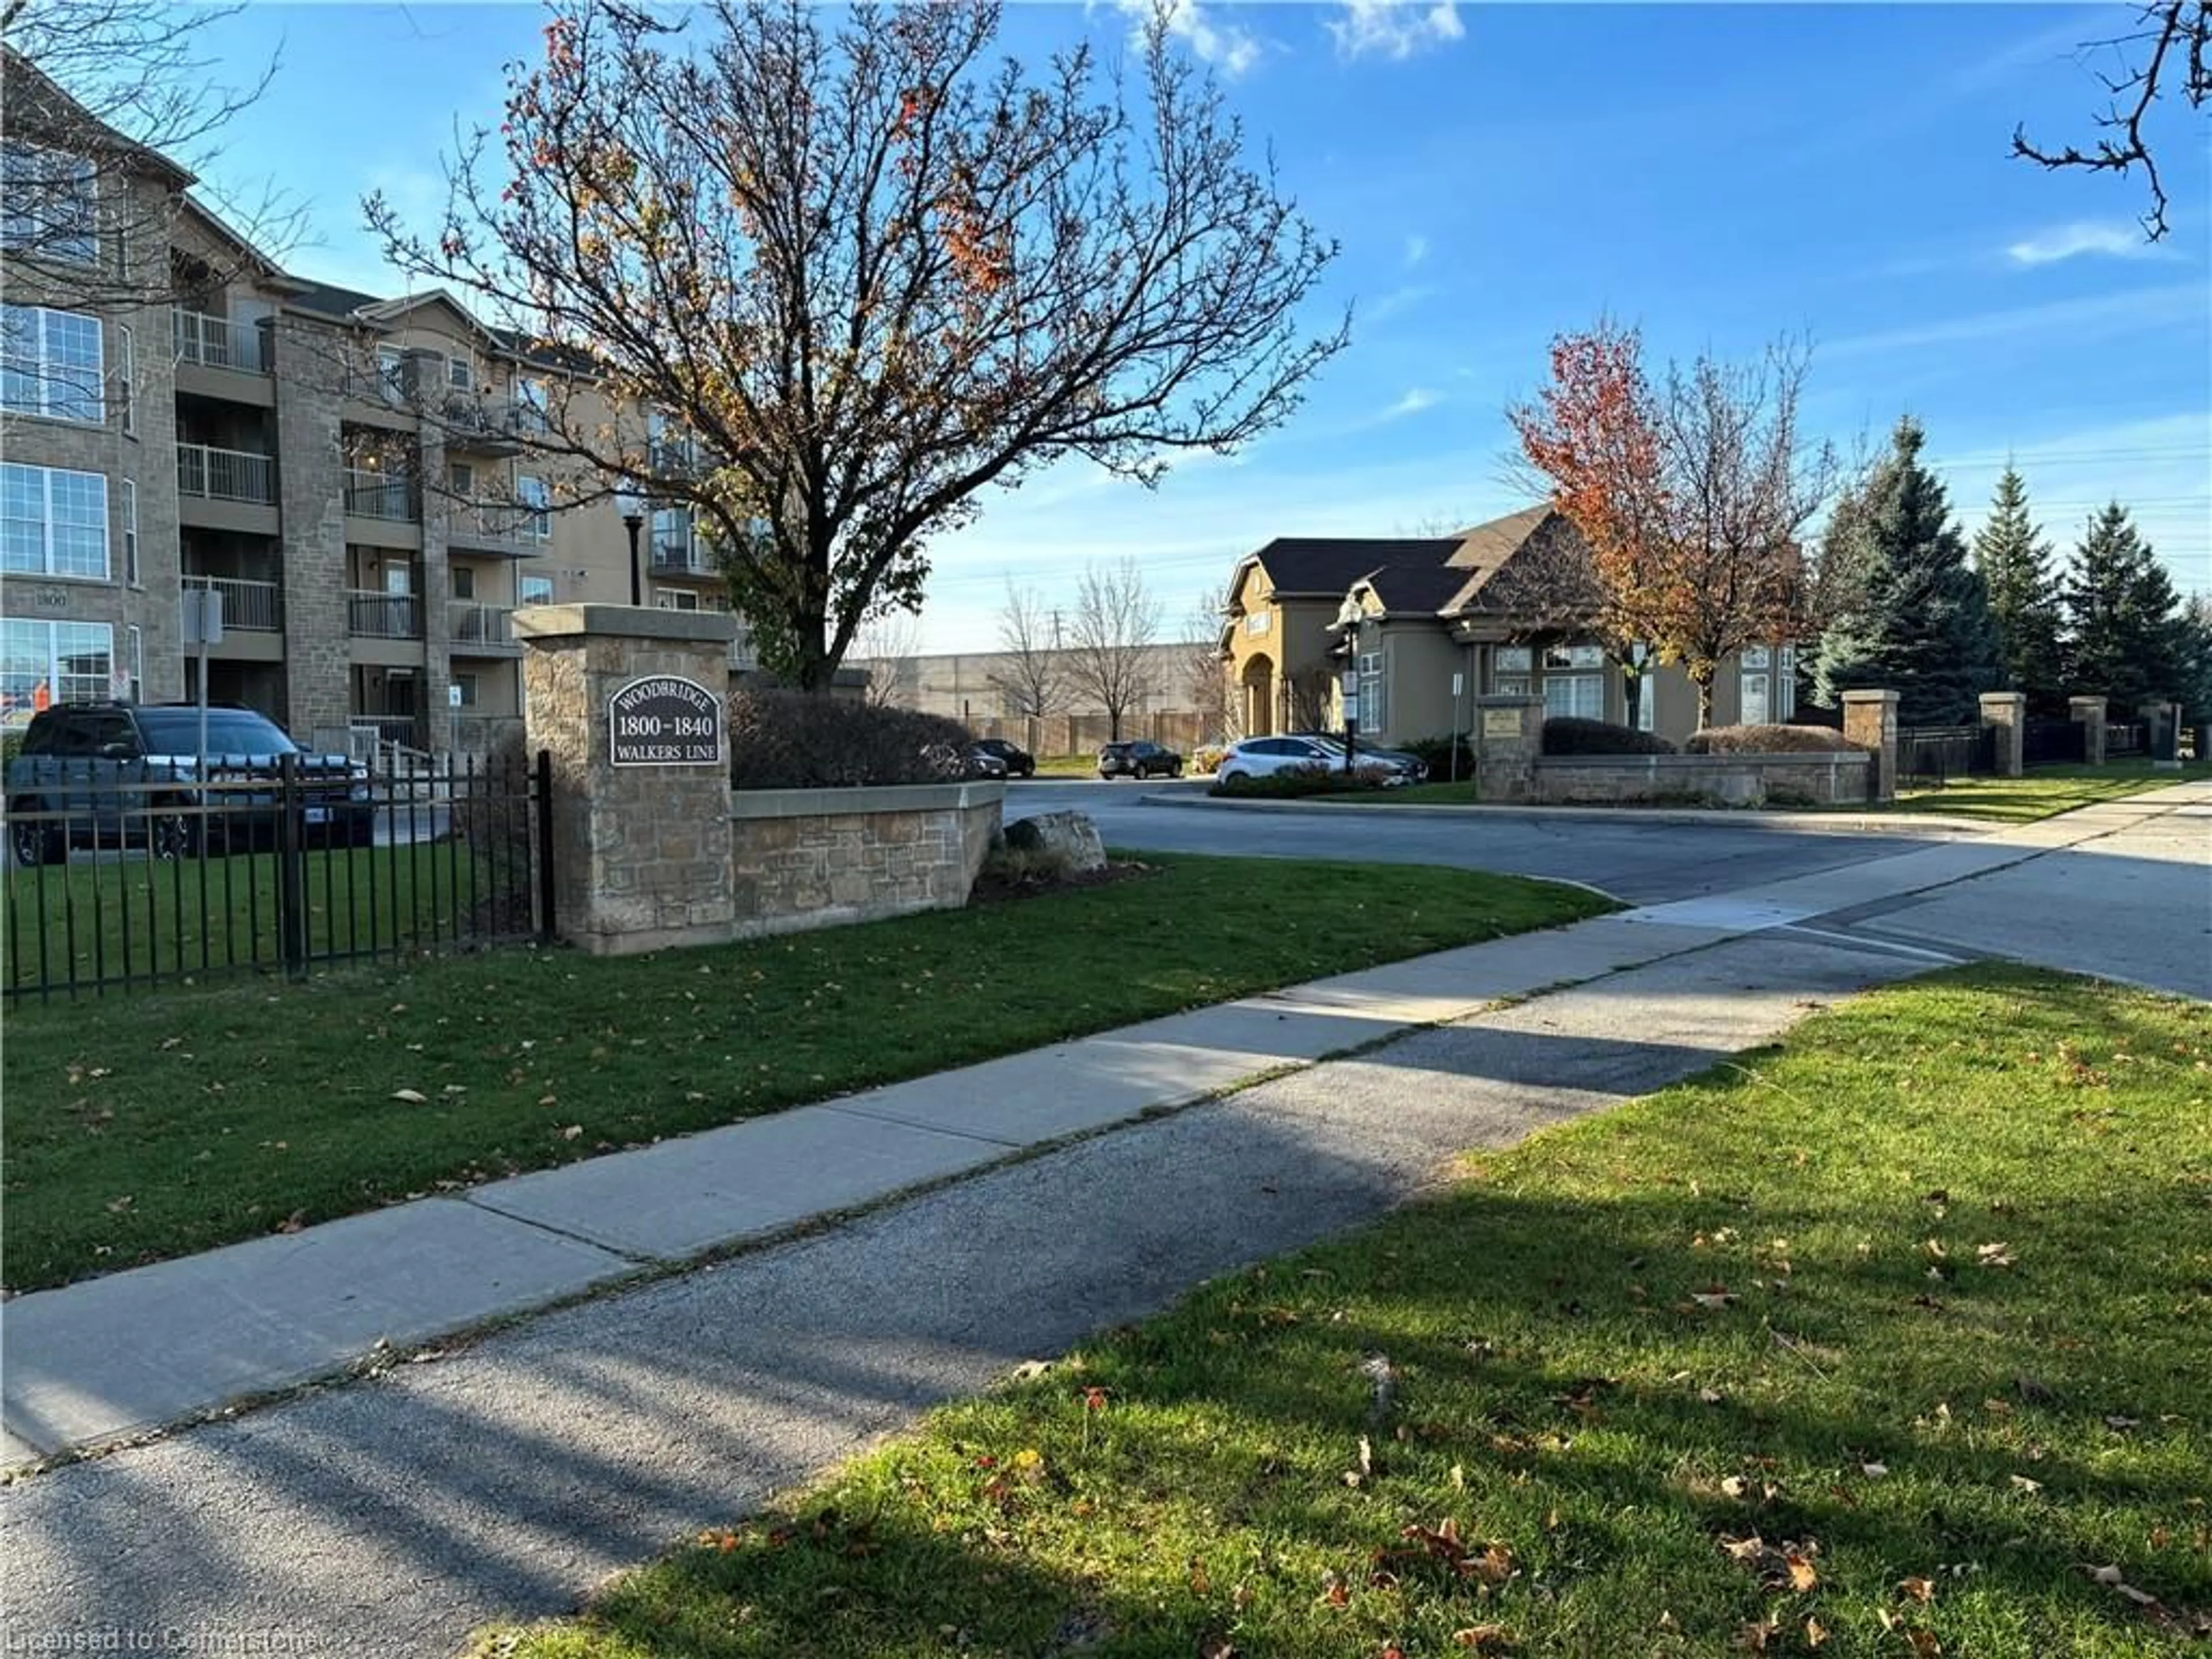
(1138, 760)
(117, 773)
(1017, 761)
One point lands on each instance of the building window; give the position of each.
(135, 642)
(53, 205)
(1756, 710)
(1754, 656)
(464, 582)
(537, 498)
(126, 382)
(130, 532)
(1785, 688)
(530, 406)
(1647, 702)
(1256, 621)
(461, 479)
(1574, 656)
(676, 598)
(1515, 687)
(460, 374)
(52, 522)
(467, 685)
(1574, 697)
(535, 590)
(672, 536)
(391, 372)
(75, 662)
(52, 364)
(1512, 660)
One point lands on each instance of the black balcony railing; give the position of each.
(372, 616)
(225, 474)
(380, 495)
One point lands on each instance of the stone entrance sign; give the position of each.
(665, 721)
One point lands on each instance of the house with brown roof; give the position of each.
(1418, 628)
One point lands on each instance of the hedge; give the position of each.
(797, 740)
(1770, 741)
(1569, 736)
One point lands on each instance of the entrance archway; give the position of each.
(1257, 687)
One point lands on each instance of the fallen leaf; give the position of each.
(1801, 1575)
(1734, 1486)
(1924, 1644)
(1744, 1549)
(1918, 1589)
(117, 1206)
(1753, 1638)
(1873, 1471)
(294, 1223)
(1816, 1632)
(1482, 1638)
(412, 1096)
(2122, 1424)
(1711, 1300)
(1994, 1256)
(2027, 1485)
(572, 1132)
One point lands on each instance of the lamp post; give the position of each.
(631, 505)
(1349, 616)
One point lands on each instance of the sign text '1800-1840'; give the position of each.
(665, 721)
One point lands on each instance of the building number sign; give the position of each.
(664, 720)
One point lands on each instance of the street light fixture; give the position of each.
(631, 505)
(1349, 616)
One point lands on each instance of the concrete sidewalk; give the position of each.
(1840, 822)
(261, 1317)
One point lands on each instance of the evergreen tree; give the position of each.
(1920, 624)
(2014, 562)
(2194, 655)
(2123, 618)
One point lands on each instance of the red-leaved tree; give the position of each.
(1692, 493)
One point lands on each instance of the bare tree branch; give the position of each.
(1031, 670)
(1117, 618)
(2178, 33)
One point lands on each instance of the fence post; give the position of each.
(1509, 739)
(2007, 712)
(2089, 712)
(2161, 735)
(291, 874)
(1870, 721)
(543, 804)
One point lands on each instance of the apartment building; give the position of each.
(352, 473)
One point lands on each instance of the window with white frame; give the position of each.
(391, 371)
(1255, 622)
(467, 685)
(672, 541)
(530, 406)
(1574, 697)
(1756, 704)
(52, 363)
(537, 498)
(1785, 682)
(1574, 656)
(135, 641)
(126, 381)
(460, 373)
(1512, 660)
(1513, 686)
(1647, 702)
(76, 660)
(1373, 711)
(52, 522)
(53, 205)
(533, 590)
(676, 598)
(130, 532)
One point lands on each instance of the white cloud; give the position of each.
(2131, 311)
(1397, 299)
(1417, 249)
(1230, 48)
(1415, 400)
(1395, 28)
(2120, 240)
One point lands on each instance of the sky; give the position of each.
(1717, 175)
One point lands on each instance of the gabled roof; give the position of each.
(40, 112)
(1326, 568)
(1402, 587)
(343, 303)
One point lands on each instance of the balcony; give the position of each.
(225, 474)
(485, 425)
(247, 606)
(373, 615)
(516, 532)
(383, 496)
(481, 630)
(681, 557)
(212, 342)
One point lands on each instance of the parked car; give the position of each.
(1408, 767)
(115, 773)
(1259, 757)
(1018, 761)
(983, 763)
(1139, 759)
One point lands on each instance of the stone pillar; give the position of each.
(2007, 712)
(1870, 721)
(640, 851)
(2161, 735)
(2089, 714)
(1509, 737)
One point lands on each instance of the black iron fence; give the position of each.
(2053, 743)
(118, 881)
(2126, 737)
(1937, 754)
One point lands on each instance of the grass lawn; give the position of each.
(114, 921)
(1068, 766)
(1413, 794)
(2045, 791)
(1892, 1342)
(170, 1121)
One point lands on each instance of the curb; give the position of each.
(1798, 822)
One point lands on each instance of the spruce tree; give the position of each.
(1921, 625)
(2014, 562)
(2122, 618)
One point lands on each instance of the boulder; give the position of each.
(1073, 834)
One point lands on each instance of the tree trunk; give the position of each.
(1631, 684)
(1702, 680)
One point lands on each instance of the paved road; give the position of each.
(1642, 863)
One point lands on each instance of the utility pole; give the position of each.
(1055, 628)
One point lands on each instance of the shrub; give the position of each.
(1770, 741)
(1568, 735)
(792, 740)
(1207, 757)
(1436, 754)
(1303, 781)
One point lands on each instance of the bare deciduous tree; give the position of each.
(874, 273)
(113, 107)
(886, 645)
(1030, 671)
(1117, 618)
(1207, 668)
(2167, 52)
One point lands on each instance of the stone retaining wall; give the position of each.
(819, 857)
(1824, 779)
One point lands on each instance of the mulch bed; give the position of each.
(993, 889)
